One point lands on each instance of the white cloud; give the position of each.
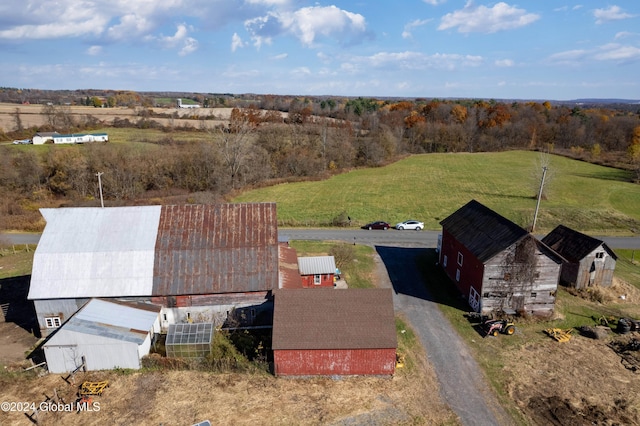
(130, 26)
(506, 63)
(407, 33)
(280, 56)
(301, 72)
(415, 61)
(179, 40)
(434, 2)
(612, 13)
(236, 42)
(482, 19)
(616, 52)
(308, 24)
(94, 50)
(609, 52)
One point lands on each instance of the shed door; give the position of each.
(517, 302)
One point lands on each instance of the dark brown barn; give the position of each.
(588, 261)
(496, 264)
(334, 332)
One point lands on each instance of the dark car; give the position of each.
(377, 225)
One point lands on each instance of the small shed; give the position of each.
(496, 264)
(588, 261)
(334, 332)
(105, 334)
(317, 271)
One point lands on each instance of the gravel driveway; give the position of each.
(462, 383)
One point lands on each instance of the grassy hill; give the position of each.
(587, 197)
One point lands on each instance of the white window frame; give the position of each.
(317, 279)
(444, 261)
(458, 275)
(460, 258)
(52, 322)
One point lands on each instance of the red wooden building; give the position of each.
(496, 264)
(317, 271)
(334, 332)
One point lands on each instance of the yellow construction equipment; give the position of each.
(559, 334)
(93, 388)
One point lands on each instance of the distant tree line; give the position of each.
(316, 137)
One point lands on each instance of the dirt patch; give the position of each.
(583, 381)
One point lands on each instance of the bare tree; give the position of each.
(234, 145)
(17, 120)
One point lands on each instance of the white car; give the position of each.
(410, 224)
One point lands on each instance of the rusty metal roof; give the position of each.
(288, 266)
(220, 248)
(327, 318)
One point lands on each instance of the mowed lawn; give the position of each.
(587, 197)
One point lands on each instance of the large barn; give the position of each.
(588, 261)
(198, 262)
(334, 332)
(103, 335)
(496, 264)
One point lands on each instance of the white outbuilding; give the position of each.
(104, 335)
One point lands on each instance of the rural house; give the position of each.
(333, 332)
(317, 271)
(588, 261)
(497, 265)
(104, 335)
(43, 137)
(198, 262)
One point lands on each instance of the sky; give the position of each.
(526, 49)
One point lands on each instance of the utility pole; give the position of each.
(99, 174)
(535, 215)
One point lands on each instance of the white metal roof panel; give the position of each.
(316, 265)
(112, 321)
(95, 252)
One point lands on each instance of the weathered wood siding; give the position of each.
(345, 362)
(500, 294)
(591, 271)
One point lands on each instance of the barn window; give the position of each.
(52, 322)
(600, 255)
(460, 258)
(444, 261)
(457, 274)
(164, 317)
(316, 279)
(534, 294)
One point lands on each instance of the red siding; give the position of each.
(329, 362)
(326, 280)
(471, 271)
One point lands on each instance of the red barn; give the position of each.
(334, 332)
(317, 271)
(496, 264)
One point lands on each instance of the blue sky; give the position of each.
(529, 49)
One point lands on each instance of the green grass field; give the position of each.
(587, 197)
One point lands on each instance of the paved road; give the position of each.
(359, 236)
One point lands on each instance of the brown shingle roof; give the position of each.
(327, 318)
(573, 245)
(220, 248)
(481, 230)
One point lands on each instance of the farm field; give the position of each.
(32, 116)
(590, 198)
